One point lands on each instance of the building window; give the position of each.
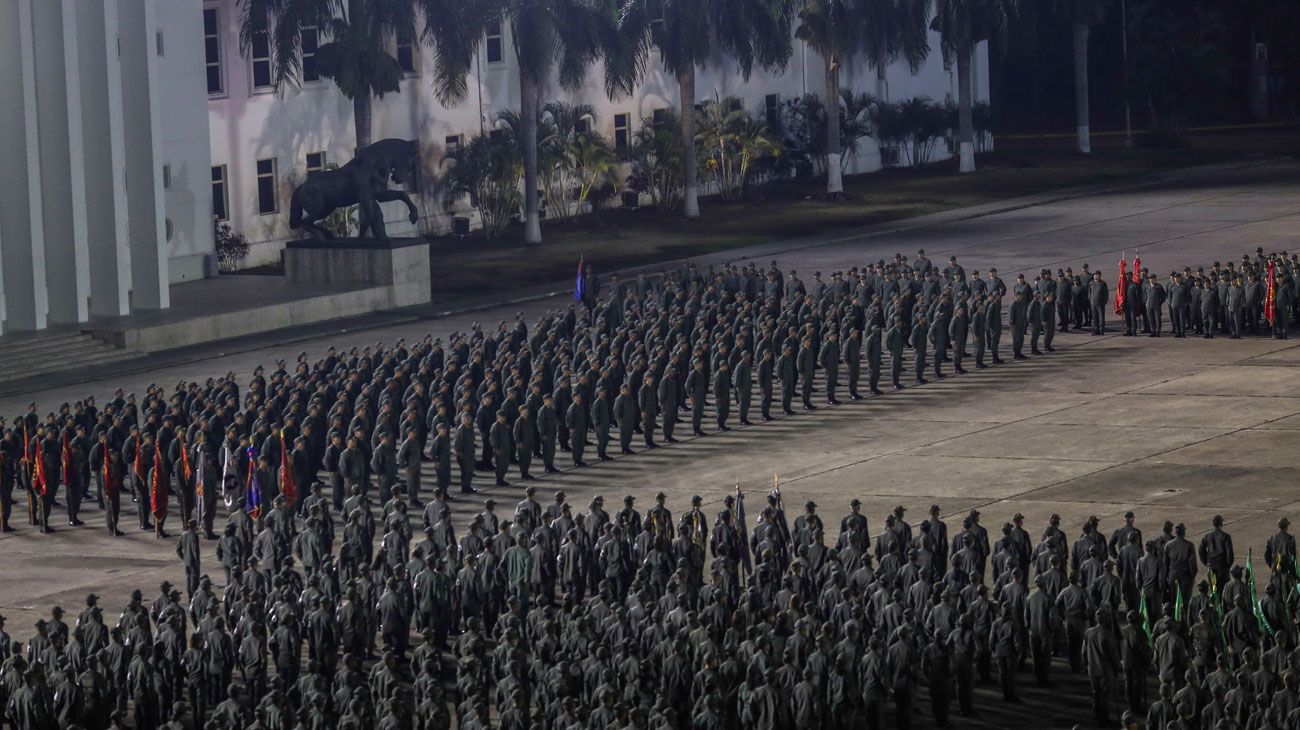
(453, 143)
(621, 130)
(310, 42)
(261, 61)
(220, 197)
(497, 135)
(495, 43)
(167, 177)
(772, 106)
(315, 162)
(212, 52)
(406, 57)
(582, 125)
(658, 117)
(266, 203)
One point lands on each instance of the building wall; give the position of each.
(249, 125)
(187, 194)
(104, 197)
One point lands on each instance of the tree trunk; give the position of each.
(361, 118)
(965, 124)
(834, 181)
(691, 191)
(1081, 86)
(528, 112)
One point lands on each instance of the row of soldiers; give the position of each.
(703, 345)
(661, 620)
(709, 345)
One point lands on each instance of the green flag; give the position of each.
(1254, 596)
(1146, 616)
(1178, 603)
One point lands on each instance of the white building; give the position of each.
(104, 195)
(263, 143)
(111, 172)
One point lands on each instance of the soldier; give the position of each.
(525, 442)
(384, 463)
(547, 431)
(576, 420)
(624, 414)
(465, 449)
(648, 407)
(787, 370)
(1101, 656)
(409, 455)
(500, 437)
(601, 417)
(829, 360)
(1098, 300)
(993, 317)
(187, 549)
(697, 387)
(1019, 321)
(108, 470)
(440, 448)
(920, 337)
(1216, 551)
(807, 364)
(722, 394)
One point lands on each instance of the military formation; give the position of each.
(555, 617)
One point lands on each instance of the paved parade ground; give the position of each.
(1173, 429)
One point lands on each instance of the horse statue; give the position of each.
(362, 182)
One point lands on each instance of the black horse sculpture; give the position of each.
(362, 182)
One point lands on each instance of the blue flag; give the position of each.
(580, 289)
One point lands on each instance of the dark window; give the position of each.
(582, 126)
(310, 42)
(495, 43)
(497, 135)
(219, 196)
(772, 106)
(212, 52)
(659, 116)
(453, 143)
(406, 57)
(315, 161)
(621, 132)
(261, 59)
(266, 202)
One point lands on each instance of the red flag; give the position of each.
(1270, 296)
(110, 474)
(288, 487)
(65, 456)
(1137, 270)
(1120, 288)
(38, 473)
(158, 487)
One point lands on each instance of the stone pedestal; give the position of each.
(401, 264)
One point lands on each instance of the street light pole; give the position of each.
(1128, 119)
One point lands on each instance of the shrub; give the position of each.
(232, 247)
(488, 172)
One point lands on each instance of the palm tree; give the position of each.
(361, 36)
(963, 24)
(885, 30)
(568, 35)
(1082, 14)
(687, 33)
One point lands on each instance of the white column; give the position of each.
(104, 157)
(22, 258)
(138, 44)
(63, 198)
